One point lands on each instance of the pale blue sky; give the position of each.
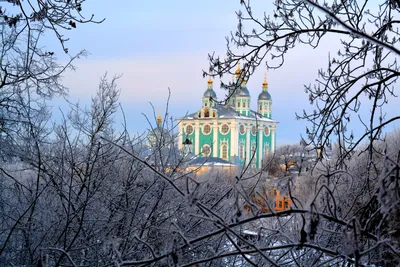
(161, 44)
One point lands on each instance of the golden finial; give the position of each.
(210, 82)
(238, 71)
(265, 84)
(159, 119)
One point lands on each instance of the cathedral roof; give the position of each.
(229, 112)
(204, 161)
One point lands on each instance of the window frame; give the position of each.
(186, 129)
(203, 129)
(241, 126)
(222, 127)
(269, 131)
(254, 130)
(209, 150)
(224, 148)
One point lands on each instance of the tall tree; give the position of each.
(29, 70)
(362, 72)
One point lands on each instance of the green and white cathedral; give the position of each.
(232, 132)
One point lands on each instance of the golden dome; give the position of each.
(238, 71)
(159, 119)
(210, 82)
(265, 84)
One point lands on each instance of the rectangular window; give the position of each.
(286, 205)
(241, 155)
(224, 152)
(238, 104)
(280, 204)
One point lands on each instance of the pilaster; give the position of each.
(260, 145)
(215, 146)
(180, 141)
(248, 152)
(197, 138)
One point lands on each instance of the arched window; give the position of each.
(206, 129)
(254, 130)
(238, 104)
(253, 150)
(206, 113)
(189, 129)
(214, 115)
(244, 104)
(224, 128)
(241, 152)
(206, 150)
(199, 114)
(266, 131)
(260, 107)
(241, 129)
(266, 150)
(224, 152)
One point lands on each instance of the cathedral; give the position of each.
(233, 132)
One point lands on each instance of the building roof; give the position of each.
(207, 161)
(228, 112)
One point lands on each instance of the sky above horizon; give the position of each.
(163, 46)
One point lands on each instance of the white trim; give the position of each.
(197, 138)
(260, 147)
(180, 141)
(248, 153)
(215, 138)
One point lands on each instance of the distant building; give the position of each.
(232, 132)
(158, 136)
(276, 201)
(203, 165)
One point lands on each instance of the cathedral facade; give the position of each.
(233, 132)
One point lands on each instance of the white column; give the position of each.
(234, 139)
(260, 145)
(196, 138)
(273, 139)
(248, 152)
(215, 146)
(180, 142)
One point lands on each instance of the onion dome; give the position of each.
(210, 92)
(238, 71)
(264, 95)
(243, 91)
